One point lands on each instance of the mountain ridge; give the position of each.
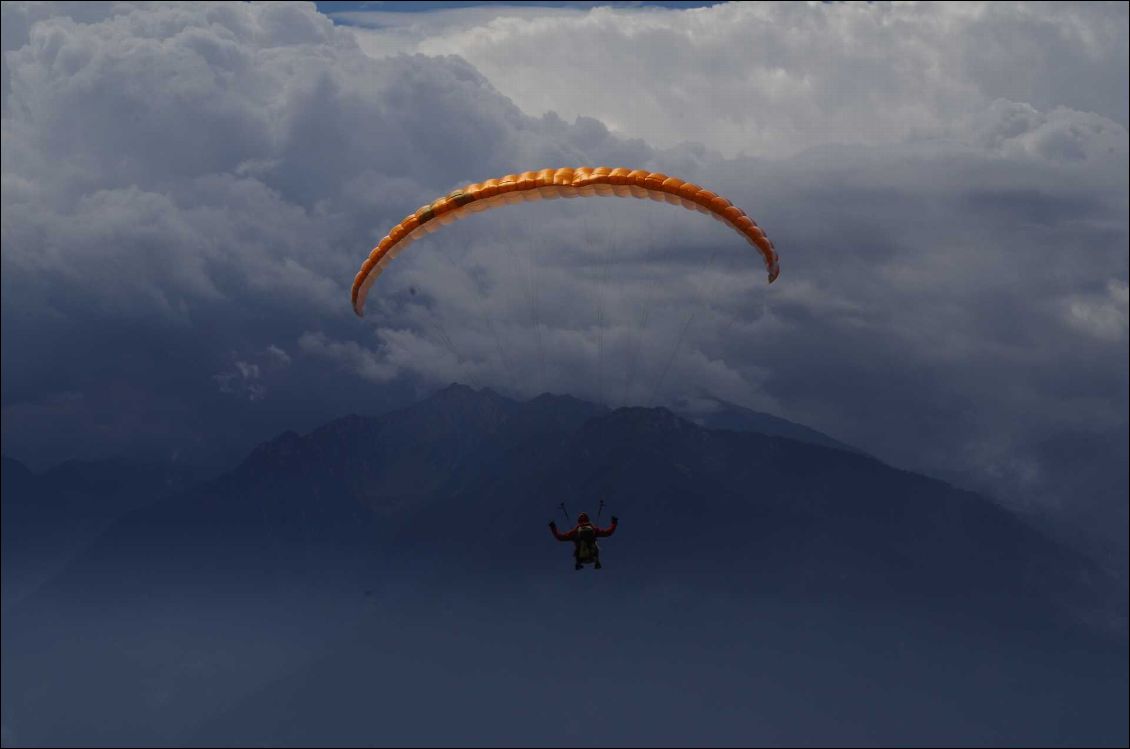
(415, 481)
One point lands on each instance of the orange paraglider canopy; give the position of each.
(549, 184)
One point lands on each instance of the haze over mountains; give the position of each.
(401, 562)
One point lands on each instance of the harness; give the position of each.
(586, 549)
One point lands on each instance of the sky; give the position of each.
(189, 189)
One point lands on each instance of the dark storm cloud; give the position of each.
(946, 316)
(182, 182)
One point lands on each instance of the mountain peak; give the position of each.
(557, 398)
(15, 476)
(735, 418)
(458, 392)
(274, 450)
(641, 419)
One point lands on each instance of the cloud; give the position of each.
(188, 191)
(246, 378)
(349, 355)
(185, 181)
(277, 354)
(771, 79)
(1102, 316)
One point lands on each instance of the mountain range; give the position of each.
(395, 520)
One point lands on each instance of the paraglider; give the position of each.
(584, 535)
(550, 184)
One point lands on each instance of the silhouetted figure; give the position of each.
(584, 536)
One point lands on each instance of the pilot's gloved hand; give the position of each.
(615, 520)
(552, 523)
